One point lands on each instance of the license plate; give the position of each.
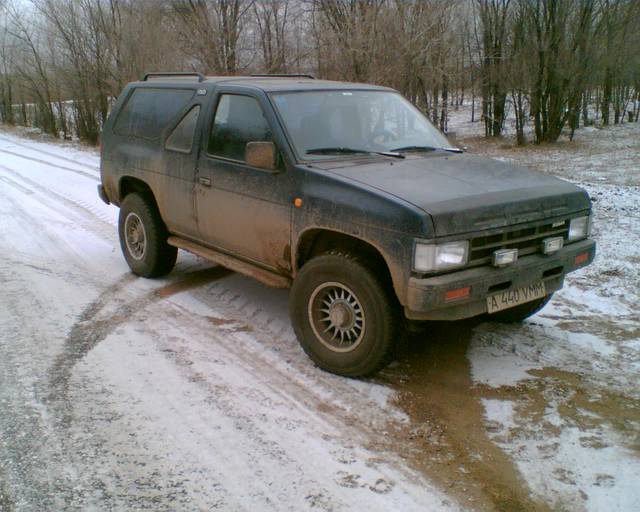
(511, 298)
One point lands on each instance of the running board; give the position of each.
(264, 276)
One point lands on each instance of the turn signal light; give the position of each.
(458, 293)
(581, 258)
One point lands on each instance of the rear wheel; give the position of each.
(143, 238)
(345, 318)
(521, 312)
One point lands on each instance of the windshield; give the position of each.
(323, 124)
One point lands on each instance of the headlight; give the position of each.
(432, 257)
(579, 228)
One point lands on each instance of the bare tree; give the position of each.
(210, 31)
(272, 17)
(549, 62)
(493, 15)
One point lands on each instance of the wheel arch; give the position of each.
(129, 184)
(315, 241)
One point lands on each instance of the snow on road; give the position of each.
(191, 393)
(187, 393)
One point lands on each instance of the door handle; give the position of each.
(204, 181)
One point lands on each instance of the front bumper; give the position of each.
(426, 297)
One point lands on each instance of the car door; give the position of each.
(241, 209)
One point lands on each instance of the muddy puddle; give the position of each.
(448, 438)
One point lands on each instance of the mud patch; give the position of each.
(446, 438)
(229, 324)
(579, 404)
(618, 329)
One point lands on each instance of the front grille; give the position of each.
(527, 240)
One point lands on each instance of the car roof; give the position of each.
(265, 83)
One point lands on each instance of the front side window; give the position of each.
(181, 139)
(149, 110)
(322, 124)
(238, 120)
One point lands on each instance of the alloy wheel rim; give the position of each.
(337, 317)
(135, 236)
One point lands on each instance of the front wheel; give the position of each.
(519, 313)
(345, 318)
(143, 238)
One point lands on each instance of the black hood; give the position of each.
(465, 193)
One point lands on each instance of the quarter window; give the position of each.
(238, 120)
(181, 139)
(148, 111)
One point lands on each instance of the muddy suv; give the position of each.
(345, 193)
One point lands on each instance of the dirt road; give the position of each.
(191, 392)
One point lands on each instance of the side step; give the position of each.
(264, 276)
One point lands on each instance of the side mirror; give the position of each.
(261, 154)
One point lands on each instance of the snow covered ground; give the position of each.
(190, 392)
(568, 402)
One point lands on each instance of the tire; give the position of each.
(519, 313)
(343, 284)
(145, 249)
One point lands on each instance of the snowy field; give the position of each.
(191, 393)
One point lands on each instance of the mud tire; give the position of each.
(158, 257)
(381, 313)
(521, 312)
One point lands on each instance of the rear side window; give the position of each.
(238, 120)
(148, 111)
(181, 139)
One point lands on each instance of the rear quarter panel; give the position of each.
(145, 159)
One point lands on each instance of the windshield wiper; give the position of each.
(426, 148)
(351, 151)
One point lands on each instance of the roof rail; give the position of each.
(170, 74)
(285, 75)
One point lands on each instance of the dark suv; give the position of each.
(345, 193)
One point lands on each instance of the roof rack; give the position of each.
(200, 76)
(285, 75)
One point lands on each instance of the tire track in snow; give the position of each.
(123, 305)
(36, 149)
(40, 161)
(263, 344)
(440, 394)
(311, 392)
(303, 404)
(89, 330)
(17, 185)
(110, 311)
(29, 327)
(83, 219)
(106, 229)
